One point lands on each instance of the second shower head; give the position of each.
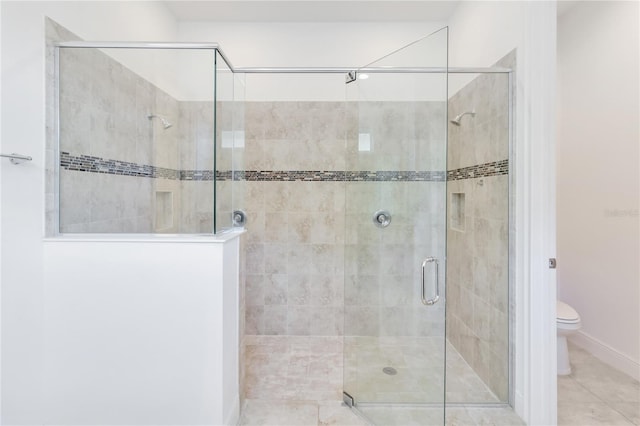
(165, 123)
(456, 120)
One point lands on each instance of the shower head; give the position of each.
(456, 120)
(165, 123)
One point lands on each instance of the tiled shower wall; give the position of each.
(195, 133)
(121, 172)
(104, 127)
(310, 199)
(295, 238)
(383, 265)
(478, 228)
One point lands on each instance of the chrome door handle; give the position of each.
(432, 301)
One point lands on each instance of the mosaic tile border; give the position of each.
(337, 176)
(87, 163)
(495, 168)
(92, 164)
(198, 175)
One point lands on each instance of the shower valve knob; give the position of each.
(239, 218)
(382, 218)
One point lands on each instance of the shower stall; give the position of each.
(376, 201)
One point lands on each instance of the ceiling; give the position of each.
(312, 10)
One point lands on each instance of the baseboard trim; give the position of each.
(606, 354)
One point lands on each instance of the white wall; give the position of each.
(306, 44)
(124, 21)
(134, 334)
(483, 32)
(22, 215)
(286, 44)
(480, 34)
(598, 176)
(1, 165)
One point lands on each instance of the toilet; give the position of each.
(568, 322)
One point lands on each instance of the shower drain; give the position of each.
(390, 371)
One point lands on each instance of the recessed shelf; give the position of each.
(164, 210)
(457, 212)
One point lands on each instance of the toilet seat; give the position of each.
(565, 314)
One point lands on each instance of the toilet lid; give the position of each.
(566, 313)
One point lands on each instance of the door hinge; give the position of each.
(348, 399)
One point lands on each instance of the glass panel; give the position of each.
(239, 181)
(135, 140)
(224, 147)
(394, 350)
(478, 239)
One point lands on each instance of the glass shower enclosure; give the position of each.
(147, 139)
(150, 139)
(394, 343)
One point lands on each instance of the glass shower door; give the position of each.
(394, 345)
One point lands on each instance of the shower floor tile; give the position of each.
(298, 380)
(311, 368)
(297, 413)
(419, 374)
(265, 412)
(325, 413)
(295, 368)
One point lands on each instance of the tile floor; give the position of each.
(309, 413)
(311, 368)
(468, 415)
(297, 413)
(596, 394)
(297, 380)
(419, 379)
(293, 368)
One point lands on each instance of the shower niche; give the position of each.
(164, 211)
(457, 211)
(138, 145)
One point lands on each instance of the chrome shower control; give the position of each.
(382, 218)
(239, 218)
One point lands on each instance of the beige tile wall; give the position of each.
(383, 274)
(295, 249)
(405, 136)
(478, 249)
(296, 135)
(295, 239)
(103, 113)
(196, 153)
(303, 236)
